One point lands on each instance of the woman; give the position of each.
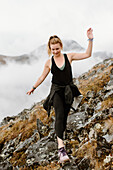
(63, 90)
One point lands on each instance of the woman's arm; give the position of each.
(42, 77)
(80, 56)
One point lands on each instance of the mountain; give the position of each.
(71, 45)
(41, 52)
(38, 53)
(28, 140)
(3, 60)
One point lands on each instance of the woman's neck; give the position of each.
(58, 56)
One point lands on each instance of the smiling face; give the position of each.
(54, 45)
(56, 49)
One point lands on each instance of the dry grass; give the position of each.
(18, 158)
(97, 83)
(108, 103)
(22, 127)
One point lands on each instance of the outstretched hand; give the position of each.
(90, 33)
(30, 91)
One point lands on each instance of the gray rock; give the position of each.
(109, 87)
(98, 106)
(76, 120)
(42, 151)
(5, 165)
(109, 94)
(7, 119)
(111, 111)
(83, 107)
(24, 145)
(110, 63)
(90, 94)
(90, 109)
(92, 73)
(42, 129)
(110, 83)
(69, 166)
(109, 138)
(84, 164)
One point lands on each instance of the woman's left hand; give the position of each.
(90, 33)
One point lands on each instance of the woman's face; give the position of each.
(56, 49)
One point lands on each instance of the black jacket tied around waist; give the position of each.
(70, 91)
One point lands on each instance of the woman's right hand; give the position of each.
(30, 91)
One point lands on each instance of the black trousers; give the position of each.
(61, 113)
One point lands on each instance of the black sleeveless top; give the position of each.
(61, 77)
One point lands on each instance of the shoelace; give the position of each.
(62, 150)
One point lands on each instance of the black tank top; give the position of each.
(61, 77)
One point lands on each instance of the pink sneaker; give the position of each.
(63, 157)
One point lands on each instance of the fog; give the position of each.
(26, 24)
(16, 80)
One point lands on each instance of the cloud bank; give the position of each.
(26, 24)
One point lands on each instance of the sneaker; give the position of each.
(63, 157)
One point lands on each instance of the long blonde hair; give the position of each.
(53, 40)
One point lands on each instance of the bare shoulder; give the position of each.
(70, 56)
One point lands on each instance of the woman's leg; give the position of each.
(58, 105)
(66, 110)
(61, 113)
(60, 143)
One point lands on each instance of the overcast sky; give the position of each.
(26, 24)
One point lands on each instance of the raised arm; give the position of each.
(80, 56)
(42, 77)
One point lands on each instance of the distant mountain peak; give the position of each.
(69, 45)
(41, 51)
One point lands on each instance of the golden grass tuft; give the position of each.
(23, 127)
(18, 158)
(95, 84)
(108, 103)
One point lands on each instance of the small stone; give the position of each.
(90, 94)
(98, 106)
(99, 153)
(109, 138)
(107, 159)
(109, 94)
(29, 162)
(91, 133)
(98, 127)
(110, 83)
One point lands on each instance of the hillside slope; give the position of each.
(28, 141)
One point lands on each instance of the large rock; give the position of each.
(5, 165)
(43, 151)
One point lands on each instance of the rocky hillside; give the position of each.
(28, 141)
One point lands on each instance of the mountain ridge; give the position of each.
(41, 51)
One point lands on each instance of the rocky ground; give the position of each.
(28, 140)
